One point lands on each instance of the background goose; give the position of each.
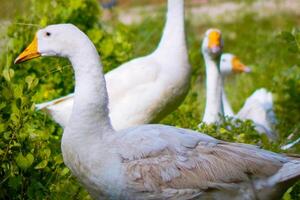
(230, 63)
(145, 89)
(258, 107)
(152, 161)
(211, 50)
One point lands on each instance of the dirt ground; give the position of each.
(130, 12)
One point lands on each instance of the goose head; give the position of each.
(62, 40)
(230, 63)
(212, 44)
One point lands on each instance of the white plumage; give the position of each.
(146, 89)
(211, 49)
(258, 107)
(151, 161)
(291, 144)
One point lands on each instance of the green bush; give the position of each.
(286, 86)
(31, 161)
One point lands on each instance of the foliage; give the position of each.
(287, 85)
(292, 39)
(233, 130)
(31, 162)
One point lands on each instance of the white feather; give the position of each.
(259, 108)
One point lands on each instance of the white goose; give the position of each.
(258, 107)
(230, 63)
(214, 45)
(151, 161)
(146, 89)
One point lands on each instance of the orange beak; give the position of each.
(214, 40)
(238, 66)
(29, 53)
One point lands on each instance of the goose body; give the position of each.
(258, 107)
(151, 161)
(146, 89)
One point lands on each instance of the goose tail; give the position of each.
(275, 186)
(259, 109)
(43, 106)
(59, 109)
(289, 173)
(48, 104)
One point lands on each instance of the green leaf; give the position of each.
(15, 182)
(15, 118)
(18, 91)
(34, 82)
(7, 135)
(41, 165)
(16, 144)
(1, 152)
(58, 159)
(24, 162)
(95, 34)
(9, 59)
(287, 195)
(2, 127)
(8, 74)
(75, 4)
(293, 48)
(64, 171)
(43, 21)
(107, 47)
(45, 153)
(287, 36)
(31, 81)
(2, 105)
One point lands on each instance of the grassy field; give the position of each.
(258, 33)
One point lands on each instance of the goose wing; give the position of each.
(259, 108)
(175, 163)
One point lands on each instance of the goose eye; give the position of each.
(48, 34)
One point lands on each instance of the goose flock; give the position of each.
(110, 147)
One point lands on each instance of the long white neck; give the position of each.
(213, 108)
(173, 37)
(226, 105)
(90, 111)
